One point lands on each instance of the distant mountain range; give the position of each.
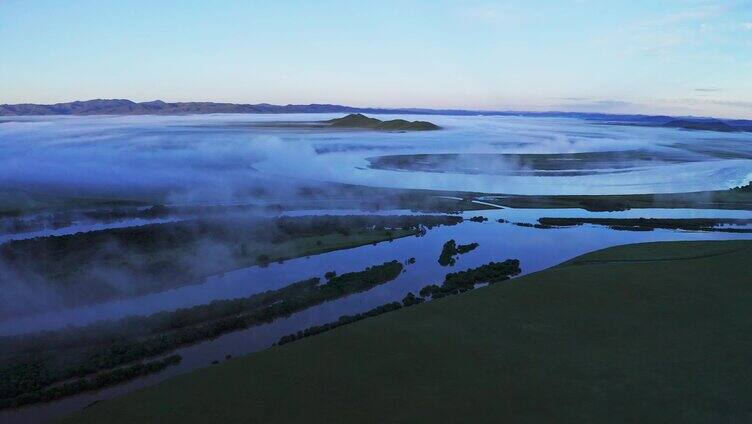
(158, 107)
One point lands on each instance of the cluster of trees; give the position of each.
(103, 379)
(343, 320)
(452, 249)
(354, 282)
(454, 283)
(478, 219)
(458, 282)
(160, 256)
(647, 224)
(447, 253)
(744, 189)
(32, 362)
(464, 248)
(537, 225)
(410, 299)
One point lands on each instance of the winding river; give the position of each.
(536, 248)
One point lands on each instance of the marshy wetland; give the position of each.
(139, 248)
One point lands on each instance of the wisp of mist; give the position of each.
(216, 157)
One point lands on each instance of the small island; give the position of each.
(358, 120)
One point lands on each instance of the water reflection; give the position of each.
(536, 248)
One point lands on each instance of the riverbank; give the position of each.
(157, 257)
(608, 336)
(739, 199)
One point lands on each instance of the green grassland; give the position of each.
(641, 333)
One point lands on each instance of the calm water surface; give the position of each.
(536, 248)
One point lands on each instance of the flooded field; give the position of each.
(536, 248)
(226, 160)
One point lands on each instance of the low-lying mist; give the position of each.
(224, 160)
(217, 158)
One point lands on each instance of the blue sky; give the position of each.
(674, 56)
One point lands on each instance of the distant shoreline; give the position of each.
(159, 107)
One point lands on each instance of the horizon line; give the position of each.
(366, 109)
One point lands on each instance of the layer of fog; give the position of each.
(226, 159)
(536, 249)
(222, 157)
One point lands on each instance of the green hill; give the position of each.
(357, 120)
(655, 332)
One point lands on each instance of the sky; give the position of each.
(681, 57)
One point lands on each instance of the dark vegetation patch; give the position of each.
(343, 320)
(96, 382)
(31, 363)
(462, 281)
(743, 189)
(357, 120)
(649, 224)
(451, 249)
(81, 267)
(551, 164)
(454, 283)
(739, 198)
(533, 225)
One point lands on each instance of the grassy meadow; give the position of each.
(640, 333)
